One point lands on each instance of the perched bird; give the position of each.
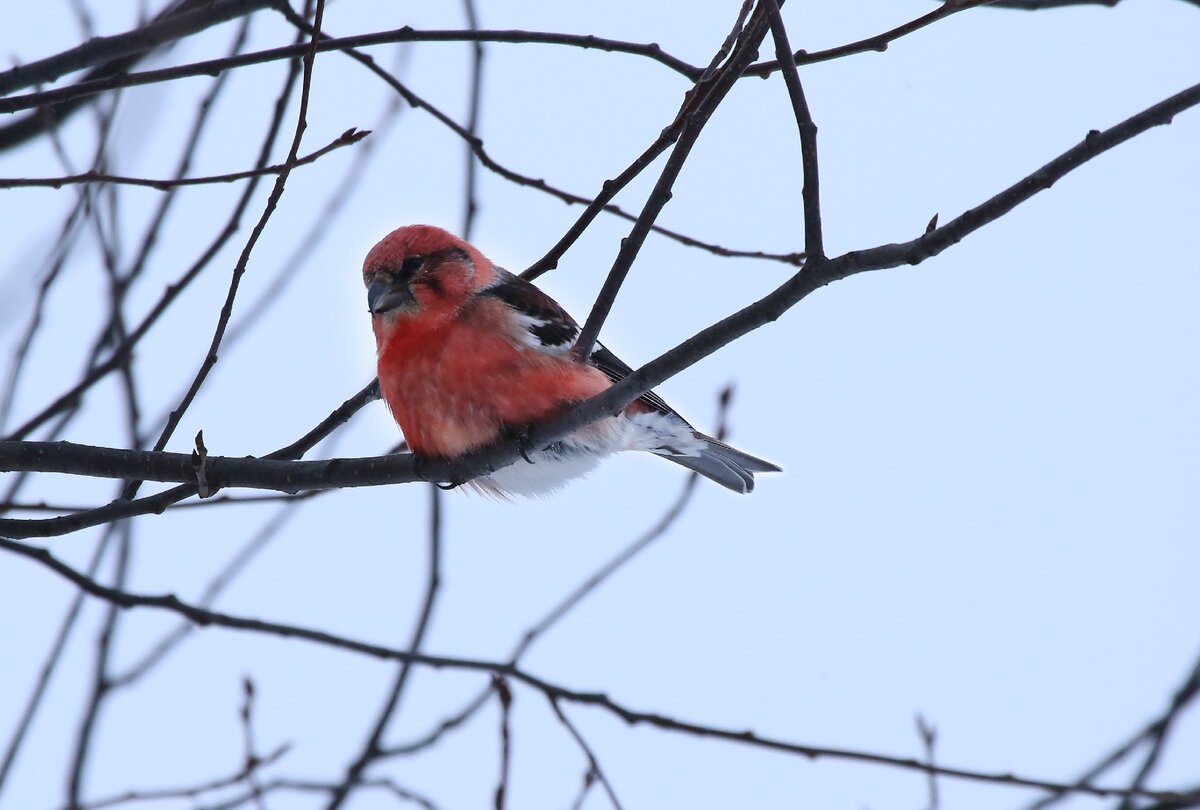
(470, 354)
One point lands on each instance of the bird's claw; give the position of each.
(524, 442)
(419, 463)
(524, 446)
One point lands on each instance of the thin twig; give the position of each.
(191, 792)
(877, 43)
(1159, 731)
(159, 651)
(115, 333)
(601, 203)
(611, 187)
(158, 503)
(243, 260)
(587, 752)
(552, 690)
(556, 614)
(324, 224)
(474, 97)
(126, 51)
(250, 757)
(100, 685)
(50, 665)
(281, 785)
(98, 370)
(212, 67)
(178, 21)
(371, 749)
(505, 698)
(1186, 693)
(814, 241)
(347, 138)
(577, 595)
(697, 108)
(296, 476)
(928, 735)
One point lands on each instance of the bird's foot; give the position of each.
(420, 464)
(524, 442)
(525, 445)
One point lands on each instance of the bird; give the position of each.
(469, 354)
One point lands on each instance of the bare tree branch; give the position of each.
(98, 370)
(652, 51)
(99, 682)
(304, 786)
(50, 665)
(296, 476)
(240, 268)
(877, 43)
(102, 245)
(555, 691)
(697, 108)
(213, 67)
(347, 138)
(372, 749)
(156, 504)
(505, 699)
(594, 206)
(593, 763)
(190, 792)
(814, 240)
(179, 19)
(577, 595)
(1153, 732)
(1038, 5)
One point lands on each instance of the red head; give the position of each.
(421, 272)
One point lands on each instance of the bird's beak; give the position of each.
(384, 295)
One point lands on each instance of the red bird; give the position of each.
(470, 354)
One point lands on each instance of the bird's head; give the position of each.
(421, 272)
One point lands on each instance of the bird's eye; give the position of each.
(411, 265)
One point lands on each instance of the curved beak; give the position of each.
(384, 295)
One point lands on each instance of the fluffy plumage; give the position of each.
(469, 354)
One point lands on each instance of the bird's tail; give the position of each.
(727, 466)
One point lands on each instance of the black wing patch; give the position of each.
(552, 325)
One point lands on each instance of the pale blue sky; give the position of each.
(989, 512)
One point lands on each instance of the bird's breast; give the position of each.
(456, 388)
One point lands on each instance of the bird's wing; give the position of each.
(617, 369)
(552, 329)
